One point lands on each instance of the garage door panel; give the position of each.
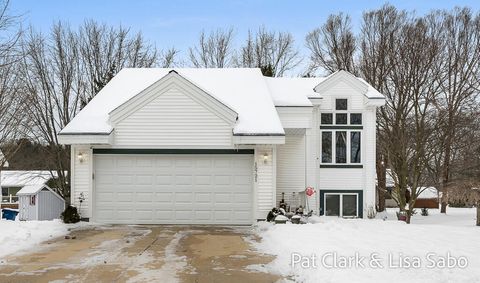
(222, 180)
(164, 179)
(122, 163)
(203, 180)
(183, 180)
(203, 198)
(144, 180)
(166, 197)
(183, 198)
(176, 189)
(203, 215)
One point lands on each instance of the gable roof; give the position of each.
(242, 89)
(31, 189)
(34, 189)
(188, 88)
(360, 84)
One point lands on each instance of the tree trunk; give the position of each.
(443, 207)
(381, 184)
(409, 216)
(478, 214)
(446, 163)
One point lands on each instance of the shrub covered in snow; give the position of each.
(70, 215)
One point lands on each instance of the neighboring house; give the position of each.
(220, 146)
(12, 181)
(428, 198)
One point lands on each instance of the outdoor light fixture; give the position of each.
(265, 158)
(80, 157)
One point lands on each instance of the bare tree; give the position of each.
(10, 103)
(273, 52)
(106, 50)
(62, 71)
(168, 58)
(333, 45)
(214, 50)
(459, 83)
(379, 28)
(406, 122)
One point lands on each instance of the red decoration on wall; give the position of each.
(309, 191)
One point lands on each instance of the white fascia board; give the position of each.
(87, 138)
(375, 102)
(254, 139)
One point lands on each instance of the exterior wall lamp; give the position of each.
(81, 157)
(265, 158)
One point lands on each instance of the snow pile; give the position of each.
(18, 236)
(334, 241)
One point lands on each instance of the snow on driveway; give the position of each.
(17, 236)
(378, 251)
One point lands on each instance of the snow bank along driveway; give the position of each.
(21, 236)
(376, 250)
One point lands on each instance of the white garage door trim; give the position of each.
(173, 188)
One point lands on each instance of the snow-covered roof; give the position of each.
(244, 90)
(24, 178)
(429, 192)
(371, 93)
(30, 189)
(293, 91)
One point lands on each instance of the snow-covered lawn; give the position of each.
(21, 236)
(379, 250)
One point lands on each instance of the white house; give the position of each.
(220, 146)
(12, 181)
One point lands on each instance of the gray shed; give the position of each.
(39, 202)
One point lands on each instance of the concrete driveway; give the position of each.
(144, 253)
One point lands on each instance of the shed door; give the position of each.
(173, 189)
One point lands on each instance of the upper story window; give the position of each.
(341, 115)
(326, 118)
(341, 133)
(341, 104)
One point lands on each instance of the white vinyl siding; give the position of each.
(369, 158)
(173, 120)
(291, 169)
(341, 178)
(265, 181)
(50, 206)
(81, 179)
(342, 90)
(295, 117)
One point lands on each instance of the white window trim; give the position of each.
(341, 203)
(333, 131)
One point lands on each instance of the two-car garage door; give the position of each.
(173, 189)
